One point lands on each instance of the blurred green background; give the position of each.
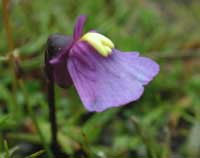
(164, 123)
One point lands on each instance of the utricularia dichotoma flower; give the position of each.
(103, 76)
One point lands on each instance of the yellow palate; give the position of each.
(102, 44)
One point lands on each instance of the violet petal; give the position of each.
(109, 82)
(78, 29)
(60, 73)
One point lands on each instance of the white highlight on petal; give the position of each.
(101, 43)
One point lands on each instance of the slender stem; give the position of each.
(54, 43)
(11, 57)
(52, 113)
(7, 25)
(51, 104)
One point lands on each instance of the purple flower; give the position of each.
(103, 76)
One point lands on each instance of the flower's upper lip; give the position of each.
(78, 32)
(102, 44)
(78, 28)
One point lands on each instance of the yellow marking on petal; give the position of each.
(105, 40)
(98, 46)
(108, 49)
(101, 43)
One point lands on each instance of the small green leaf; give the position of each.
(38, 153)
